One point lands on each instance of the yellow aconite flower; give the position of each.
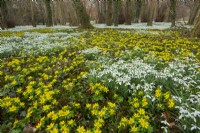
(30, 111)
(141, 111)
(80, 129)
(15, 123)
(54, 117)
(88, 105)
(136, 105)
(101, 113)
(100, 120)
(19, 90)
(97, 124)
(64, 129)
(42, 100)
(146, 117)
(143, 123)
(12, 108)
(17, 100)
(97, 92)
(136, 115)
(94, 112)
(131, 121)
(97, 131)
(62, 123)
(105, 89)
(46, 107)
(67, 112)
(7, 104)
(124, 120)
(1, 73)
(55, 130)
(171, 103)
(39, 125)
(140, 93)
(54, 101)
(35, 104)
(167, 95)
(134, 129)
(112, 105)
(144, 102)
(50, 114)
(135, 99)
(88, 131)
(29, 89)
(96, 105)
(71, 122)
(30, 97)
(158, 93)
(49, 127)
(112, 111)
(115, 95)
(14, 82)
(121, 124)
(21, 104)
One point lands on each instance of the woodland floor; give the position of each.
(65, 79)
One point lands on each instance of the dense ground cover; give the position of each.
(100, 80)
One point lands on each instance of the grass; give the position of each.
(99, 80)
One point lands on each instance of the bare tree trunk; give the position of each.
(128, 13)
(167, 14)
(161, 11)
(101, 10)
(196, 29)
(3, 15)
(150, 9)
(84, 18)
(138, 10)
(173, 12)
(61, 15)
(116, 12)
(71, 12)
(194, 12)
(109, 12)
(49, 22)
(32, 3)
(121, 12)
(54, 19)
(144, 12)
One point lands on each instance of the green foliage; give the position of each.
(103, 81)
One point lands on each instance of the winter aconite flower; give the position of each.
(80, 129)
(134, 129)
(171, 103)
(157, 93)
(143, 123)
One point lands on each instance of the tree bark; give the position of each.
(3, 15)
(161, 11)
(196, 29)
(116, 12)
(173, 12)
(101, 10)
(109, 12)
(33, 21)
(138, 10)
(54, 15)
(61, 15)
(83, 17)
(150, 9)
(144, 12)
(194, 12)
(128, 14)
(49, 22)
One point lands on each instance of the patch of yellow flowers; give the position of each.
(39, 83)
